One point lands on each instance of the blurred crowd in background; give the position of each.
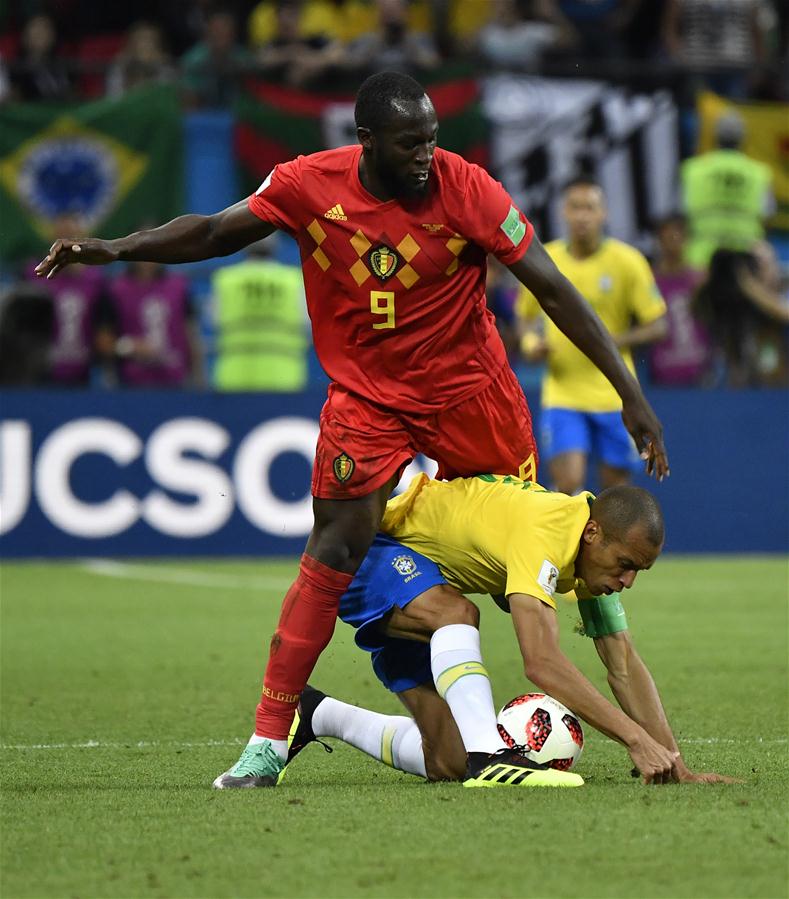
(728, 303)
(65, 49)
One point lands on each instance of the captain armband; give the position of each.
(602, 615)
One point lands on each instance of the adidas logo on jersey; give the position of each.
(336, 212)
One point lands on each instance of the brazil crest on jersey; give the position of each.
(396, 290)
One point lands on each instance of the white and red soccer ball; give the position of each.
(551, 732)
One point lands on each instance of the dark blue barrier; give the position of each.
(146, 474)
(729, 455)
(729, 484)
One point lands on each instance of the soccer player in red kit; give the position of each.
(393, 236)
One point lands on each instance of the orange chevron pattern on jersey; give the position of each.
(379, 259)
(395, 288)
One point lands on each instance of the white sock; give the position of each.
(392, 739)
(280, 746)
(461, 679)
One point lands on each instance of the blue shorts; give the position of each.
(598, 434)
(391, 576)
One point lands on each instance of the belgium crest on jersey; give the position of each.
(383, 262)
(343, 467)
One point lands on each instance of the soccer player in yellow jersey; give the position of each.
(511, 538)
(581, 413)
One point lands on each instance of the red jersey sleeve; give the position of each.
(278, 199)
(491, 219)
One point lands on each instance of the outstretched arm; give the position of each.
(578, 321)
(636, 693)
(550, 669)
(188, 238)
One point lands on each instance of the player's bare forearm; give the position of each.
(574, 317)
(188, 238)
(550, 669)
(634, 687)
(191, 238)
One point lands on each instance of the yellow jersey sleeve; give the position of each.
(646, 301)
(541, 565)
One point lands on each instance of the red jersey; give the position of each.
(396, 290)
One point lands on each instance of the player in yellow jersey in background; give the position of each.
(581, 413)
(500, 535)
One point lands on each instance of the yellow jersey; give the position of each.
(618, 284)
(494, 534)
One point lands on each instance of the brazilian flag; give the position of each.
(114, 164)
(275, 123)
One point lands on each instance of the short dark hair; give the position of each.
(582, 180)
(377, 95)
(618, 509)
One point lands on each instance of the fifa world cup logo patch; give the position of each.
(344, 467)
(383, 262)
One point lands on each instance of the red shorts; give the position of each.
(362, 445)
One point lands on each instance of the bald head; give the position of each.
(619, 509)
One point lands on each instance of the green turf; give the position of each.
(162, 672)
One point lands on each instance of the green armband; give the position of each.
(602, 615)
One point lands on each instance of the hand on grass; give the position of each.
(656, 764)
(686, 776)
(683, 775)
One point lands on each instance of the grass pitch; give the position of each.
(127, 688)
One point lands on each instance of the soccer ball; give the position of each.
(546, 727)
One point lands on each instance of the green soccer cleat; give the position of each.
(259, 766)
(510, 768)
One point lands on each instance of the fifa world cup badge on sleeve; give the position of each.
(513, 227)
(548, 577)
(343, 467)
